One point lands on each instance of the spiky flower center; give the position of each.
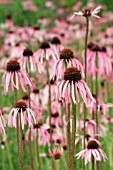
(96, 47)
(93, 145)
(25, 97)
(36, 27)
(38, 125)
(87, 136)
(66, 53)
(90, 45)
(57, 155)
(86, 12)
(27, 52)
(72, 74)
(103, 49)
(64, 146)
(13, 65)
(55, 115)
(21, 104)
(44, 45)
(36, 91)
(55, 41)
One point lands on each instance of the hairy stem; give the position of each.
(86, 43)
(37, 151)
(19, 142)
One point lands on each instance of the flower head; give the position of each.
(72, 85)
(56, 45)
(12, 75)
(98, 52)
(66, 59)
(29, 62)
(87, 12)
(56, 153)
(44, 51)
(26, 115)
(93, 149)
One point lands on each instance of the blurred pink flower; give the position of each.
(56, 153)
(28, 5)
(29, 62)
(44, 52)
(66, 59)
(104, 62)
(26, 115)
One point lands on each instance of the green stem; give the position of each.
(73, 132)
(93, 167)
(97, 116)
(19, 142)
(86, 43)
(19, 136)
(49, 111)
(54, 164)
(3, 160)
(30, 150)
(37, 151)
(96, 82)
(30, 142)
(68, 137)
(49, 101)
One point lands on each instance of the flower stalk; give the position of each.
(37, 151)
(85, 53)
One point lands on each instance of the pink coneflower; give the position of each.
(102, 107)
(44, 52)
(56, 153)
(66, 59)
(29, 62)
(93, 149)
(56, 45)
(90, 126)
(88, 12)
(43, 133)
(25, 114)
(72, 85)
(16, 51)
(104, 62)
(80, 138)
(12, 75)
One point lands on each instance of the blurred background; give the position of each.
(27, 12)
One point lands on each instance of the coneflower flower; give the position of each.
(56, 153)
(66, 59)
(12, 75)
(87, 12)
(72, 85)
(93, 149)
(56, 45)
(44, 52)
(104, 62)
(27, 116)
(43, 134)
(29, 62)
